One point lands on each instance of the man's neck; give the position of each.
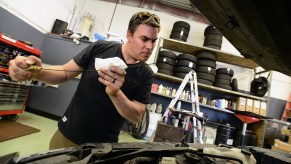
(128, 54)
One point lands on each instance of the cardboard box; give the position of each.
(256, 106)
(241, 104)
(249, 105)
(263, 109)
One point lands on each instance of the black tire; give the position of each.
(166, 72)
(213, 37)
(186, 63)
(180, 75)
(180, 39)
(223, 86)
(234, 84)
(182, 24)
(203, 81)
(165, 66)
(180, 29)
(182, 69)
(211, 30)
(168, 54)
(206, 55)
(223, 82)
(212, 42)
(139, 130)
(213, 47)
(176, 35)
(207, 63)
(227, 71)
(188, 57)
(206, 76)
(223, 76)
(204, 69)
(166, 60)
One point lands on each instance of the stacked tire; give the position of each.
(185, 63)
(213, 38)
(206, 67)
(224, 79)
(166, 62)
(180, 31)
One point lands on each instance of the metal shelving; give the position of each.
(203, 105)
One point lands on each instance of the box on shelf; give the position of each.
(256, 106)
(241, 103)
(249, 105)
(263, 108)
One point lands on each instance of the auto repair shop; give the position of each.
(215, 82)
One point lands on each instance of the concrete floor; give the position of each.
(39, 142)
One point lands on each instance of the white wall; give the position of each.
(280, 86)
(115, 17)
(40, 13)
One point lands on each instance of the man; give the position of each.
(104, 99)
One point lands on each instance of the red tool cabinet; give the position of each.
(13, 94)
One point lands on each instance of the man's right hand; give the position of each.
(18, 65)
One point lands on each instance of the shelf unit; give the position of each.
(224, 57)
(203, 105)
(208, 87)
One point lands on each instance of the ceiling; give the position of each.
(181, 8)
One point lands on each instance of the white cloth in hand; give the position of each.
(108, 62)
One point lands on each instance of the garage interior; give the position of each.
(243, 93)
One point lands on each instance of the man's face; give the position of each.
(143, 41)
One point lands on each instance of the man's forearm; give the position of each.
(130, 110)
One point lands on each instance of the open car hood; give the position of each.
(260, 30)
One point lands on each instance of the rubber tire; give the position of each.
(213, 47)
(179, 29)
(206, 76)
(188, 57)
(212, 42)
(139, 130)
(213, 37)
(186, 63)
(166, 72)
(211, 30)
(182, 69)
(223, 82)
(204, 69)
(203, 81)
(227, 71)
(206, 55)
(223, 76)
(166, 60)
(165, 66)
(207, 63)
(182, 24)
(180, 75)
(168, 54)
(176, 35)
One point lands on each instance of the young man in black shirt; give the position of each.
(105, 98)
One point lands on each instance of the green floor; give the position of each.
(39, 142)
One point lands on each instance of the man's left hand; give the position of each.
(113, 78)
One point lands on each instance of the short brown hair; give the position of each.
(143, 18)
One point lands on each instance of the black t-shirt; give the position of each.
(91, 116)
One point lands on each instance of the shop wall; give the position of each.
(114, 18)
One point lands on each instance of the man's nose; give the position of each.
(149, 45)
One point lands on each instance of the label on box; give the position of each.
(257, 104)
(263, 105)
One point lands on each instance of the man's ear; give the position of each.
(129, 35)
